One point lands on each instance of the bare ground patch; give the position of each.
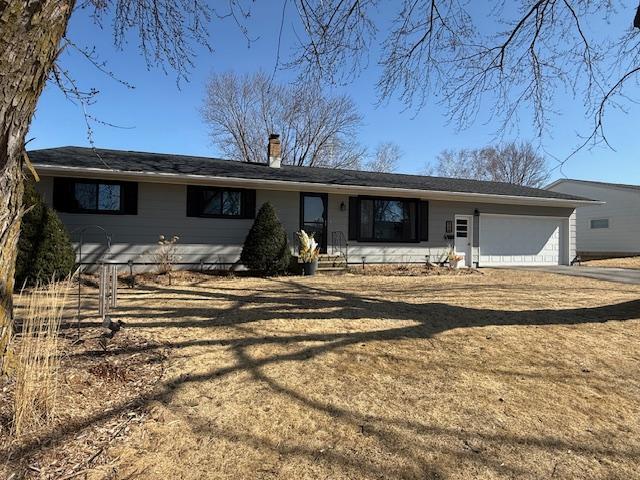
(92, 383)
(510, 374)
(410, 270)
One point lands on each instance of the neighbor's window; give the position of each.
(95, 196)
(388, 220)
(216, 202)
(600, 223)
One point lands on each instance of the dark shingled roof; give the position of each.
(187, 165)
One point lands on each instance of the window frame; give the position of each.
(196, 211)
(72, 182)
(591, 220)
(417, 227)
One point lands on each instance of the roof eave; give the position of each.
(162, 177)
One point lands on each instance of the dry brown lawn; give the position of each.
(509, 374)
(626, 262)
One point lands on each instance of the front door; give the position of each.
(313, 217)
(464, 237)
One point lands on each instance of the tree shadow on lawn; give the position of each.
(306, 302)
(295, 300)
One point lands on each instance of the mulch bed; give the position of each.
(406, 270)
(94, 386)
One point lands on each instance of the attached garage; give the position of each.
(364, 217)
(519, 240)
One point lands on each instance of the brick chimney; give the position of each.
(274, 151)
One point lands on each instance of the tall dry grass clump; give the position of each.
(37, 359)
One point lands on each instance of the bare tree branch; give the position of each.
(385, 158)
(515, 60)
(516, 163)
(315, 129)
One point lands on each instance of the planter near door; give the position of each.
(310, 268)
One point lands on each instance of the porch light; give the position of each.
(343, 207)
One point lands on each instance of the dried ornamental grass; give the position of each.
(37, 358)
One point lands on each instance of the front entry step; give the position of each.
(327, 263)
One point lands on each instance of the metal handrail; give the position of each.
(340, 245)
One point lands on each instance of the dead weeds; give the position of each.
(410, 270)
(625, 262)
(92, 384)
(510, 374)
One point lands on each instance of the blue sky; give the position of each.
(161, 117)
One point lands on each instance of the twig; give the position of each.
(95, 455)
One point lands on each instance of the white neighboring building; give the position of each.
(608, 230)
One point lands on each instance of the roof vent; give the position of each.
(274, 151)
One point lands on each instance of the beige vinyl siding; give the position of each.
(162, 211)
(622, 209)
(436, 246)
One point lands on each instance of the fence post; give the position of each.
(114, 285)
(131, 278)
(346, 253)
(101, 285)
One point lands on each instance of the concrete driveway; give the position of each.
(620, 275)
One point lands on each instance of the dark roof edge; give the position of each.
(130, 173)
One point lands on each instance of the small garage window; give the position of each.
(599, 223)
(461, 227)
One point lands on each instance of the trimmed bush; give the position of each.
(45, 252)
(266, 249)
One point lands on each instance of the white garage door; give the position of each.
(520, 240)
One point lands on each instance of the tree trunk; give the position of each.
(30, 33)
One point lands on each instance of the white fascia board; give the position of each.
(286, 185)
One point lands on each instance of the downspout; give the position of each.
(476, 214)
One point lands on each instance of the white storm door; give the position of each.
(464, 237)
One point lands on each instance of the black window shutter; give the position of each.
(353, 218)
(248, 203)
(424, 221)
(63, 194)
(130, 198)
(193, 201)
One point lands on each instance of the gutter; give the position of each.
(161, 177)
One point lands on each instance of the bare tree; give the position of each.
(32, 34)
(316, 129)
(515, 163)
(385, 158)
(493, 58)
(464, 163)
